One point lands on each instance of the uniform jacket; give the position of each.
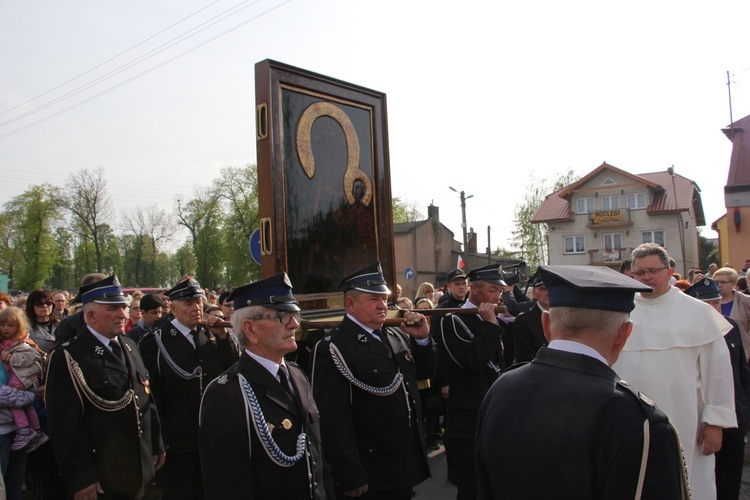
(370, 439)
(92, 444)
(574, 432)
(179, 399)
(442, 368)
(740, 373)
(139, 330)
(474, 360)
(230, 468)
(528, 334)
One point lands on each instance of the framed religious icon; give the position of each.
(323, 180)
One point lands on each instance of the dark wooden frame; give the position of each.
(281, 91)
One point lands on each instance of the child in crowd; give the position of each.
(23, 361)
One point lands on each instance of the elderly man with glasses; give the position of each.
(259, 417)
(677, 355)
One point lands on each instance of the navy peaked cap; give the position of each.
(369, 279)
(106, 291)
(590, 287)
(456, 274)
(705, 289)
(492, 273)
(274, 292)
(185, 290)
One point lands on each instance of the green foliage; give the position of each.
(405, 212)
(529, 238)
(708, 252)
(237, 190)
(203, 218)
(33, 214)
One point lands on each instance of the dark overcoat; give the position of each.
(179, 399)
(231, 469)
(565, 427)
(115, 448)
(371, 439)
(528, 334)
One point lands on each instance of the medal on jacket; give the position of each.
(286, 424)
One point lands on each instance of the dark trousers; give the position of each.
(400, 494)
(729, 462)
(463, 468)
(180, 478)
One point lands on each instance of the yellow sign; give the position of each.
(604, 216)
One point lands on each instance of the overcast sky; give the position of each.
(481, 95)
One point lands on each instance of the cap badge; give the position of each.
(286, 424)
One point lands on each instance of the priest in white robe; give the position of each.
(677, 356)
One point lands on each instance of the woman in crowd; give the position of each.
(734, 304)
(39, 313)
(426, 289)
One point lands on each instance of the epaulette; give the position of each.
(646, 403)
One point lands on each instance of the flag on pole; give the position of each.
(460, 264)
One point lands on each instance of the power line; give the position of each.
(108, 60)
(143, 73)
(133, 62)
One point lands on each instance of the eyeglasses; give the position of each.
(284, 317)
(43, 303)
(650, 272)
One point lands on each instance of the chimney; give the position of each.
(472, 241)
(433, 212)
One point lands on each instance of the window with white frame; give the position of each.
(610, 202)
(612, 242)
(584, 205)
(636, 201)
(652, 237)
(574, 244)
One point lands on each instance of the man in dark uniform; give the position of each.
(365, 383)
(528, 334)
(284, 444)
(455, 290)
(565, 426)
(472, 347)
(183, 357)
(102, 419)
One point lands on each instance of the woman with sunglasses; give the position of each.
(39, 312)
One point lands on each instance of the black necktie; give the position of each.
(194, 334)
(379, 333)
(116, 350)
(284, 380)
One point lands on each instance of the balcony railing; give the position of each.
(601, 257)
(608, 218)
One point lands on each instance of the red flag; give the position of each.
(460, 264)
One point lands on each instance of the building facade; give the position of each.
(599, 219)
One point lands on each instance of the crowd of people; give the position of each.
(189, 393)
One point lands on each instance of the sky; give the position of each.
(486, 97)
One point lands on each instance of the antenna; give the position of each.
(731, 120)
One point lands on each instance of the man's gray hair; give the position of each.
(571, 322)
(646, 249)
(239, 316)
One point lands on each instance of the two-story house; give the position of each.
(600, 218)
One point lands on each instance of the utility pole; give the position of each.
(680, 229)
(463, 218)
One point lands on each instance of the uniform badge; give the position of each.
(271, 427)
(362, 338)
(128, 347)
(98, 351)
(173, 332)
(146, 386)
(407, 355)
(221, 380)
(286, 424)
(327, 338)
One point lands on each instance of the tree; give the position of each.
(203, 218)
(530, 238)
(237, 189)
(91, 209)
(148, 228)
(34, 213)
(404, 211)
(708, 252)
(11, 252)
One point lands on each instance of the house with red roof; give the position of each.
(600, 218)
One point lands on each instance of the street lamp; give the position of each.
(463, 217)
